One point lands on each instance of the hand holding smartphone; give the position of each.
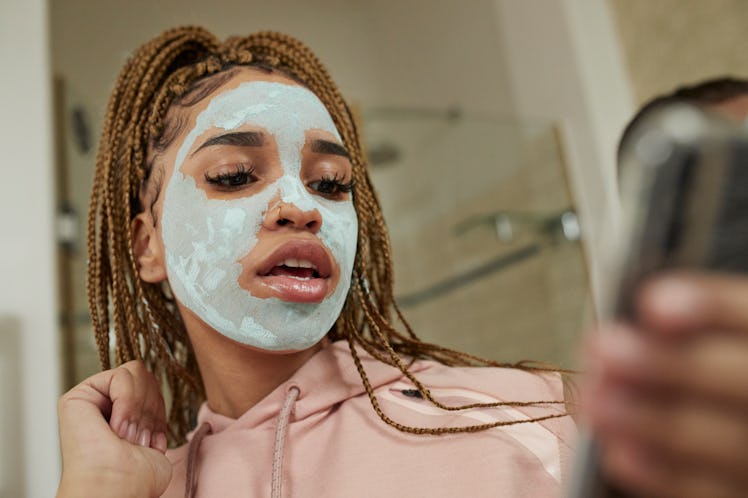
(685, 198)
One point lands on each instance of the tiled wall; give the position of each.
(532, 308)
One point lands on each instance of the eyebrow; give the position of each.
(240, 139)
(328, 147)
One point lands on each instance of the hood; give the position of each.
(330, 377)
(327, 378)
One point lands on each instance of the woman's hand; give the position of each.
(113, 435)
(668, 398)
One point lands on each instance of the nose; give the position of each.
(289, 215)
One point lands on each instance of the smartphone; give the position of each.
(684, 194)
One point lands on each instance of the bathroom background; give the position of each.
(490, 126)
(486, 240)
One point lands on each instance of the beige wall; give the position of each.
(672, 42)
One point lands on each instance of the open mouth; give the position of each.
(298, 271)
(301, 269)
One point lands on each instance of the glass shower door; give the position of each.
(486, 241)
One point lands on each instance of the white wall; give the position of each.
(27, 268)
(566, 65)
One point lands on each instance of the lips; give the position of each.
(298, 271)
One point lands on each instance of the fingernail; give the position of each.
(160, 442)
(144, 439)
(122, 432)
(132, 431)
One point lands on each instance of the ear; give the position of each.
(147, 249)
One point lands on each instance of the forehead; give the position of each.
(235, 76)
(271, 102)
(252, 90)
(277, 106)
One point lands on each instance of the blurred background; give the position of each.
(490, 126)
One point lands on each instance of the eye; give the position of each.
(331, 186)
(232, 180)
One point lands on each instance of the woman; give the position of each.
(238, 252)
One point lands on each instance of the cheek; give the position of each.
(340, 231)
(199, 232)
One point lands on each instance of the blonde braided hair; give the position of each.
(143, 317)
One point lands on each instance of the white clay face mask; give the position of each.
(206, 238)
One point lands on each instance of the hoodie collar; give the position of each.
(327, 378)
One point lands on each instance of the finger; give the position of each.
(647, 474)
(83, 411)
(689, 434)
(145, 429)
(153, 419)
(712, 367)
(133, 391)
(154, 405)
(126, 403)
(90, 400)
(159, 442)
(687, 302)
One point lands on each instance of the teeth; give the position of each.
(298, 263)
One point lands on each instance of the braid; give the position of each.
(144, 321)
(143, 317)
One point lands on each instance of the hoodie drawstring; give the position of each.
(280, 440)
(190, 487)
(190, 484)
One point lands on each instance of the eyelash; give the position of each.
(331, 186)
(234, 180)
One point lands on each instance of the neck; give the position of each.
(236, 377)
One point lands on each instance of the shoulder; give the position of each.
(505, 384)
(493, 394)
(520, 395)
(525, 409)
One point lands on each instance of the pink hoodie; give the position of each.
(318, 436)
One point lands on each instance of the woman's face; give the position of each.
(257, 226)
